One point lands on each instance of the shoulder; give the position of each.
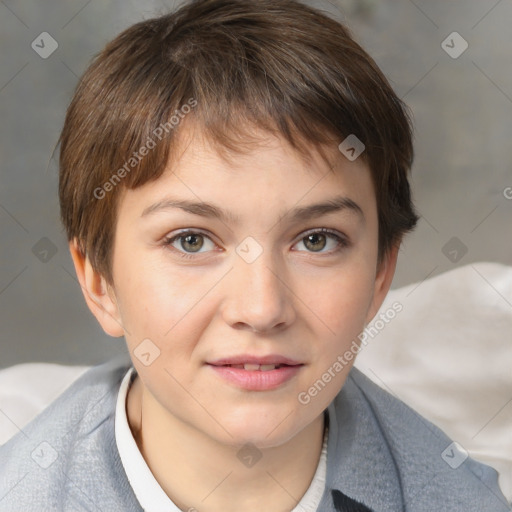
(430, 470)
(66, 457)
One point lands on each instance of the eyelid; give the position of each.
(327, 231)
(190, 231)
(342, 240)
(169, 239)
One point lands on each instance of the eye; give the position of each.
(190, 242)
(322, 241)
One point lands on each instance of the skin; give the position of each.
(292, 300)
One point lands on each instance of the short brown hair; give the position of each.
(277, 65)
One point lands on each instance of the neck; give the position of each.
(197, 472)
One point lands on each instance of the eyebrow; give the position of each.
(297, 214)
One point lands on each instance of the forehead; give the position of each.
(265, 172)
(239, 144)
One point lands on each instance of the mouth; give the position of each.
(256, 367)
(256, 376)
(243, 360)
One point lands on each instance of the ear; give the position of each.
(383, 279)
(99, 296)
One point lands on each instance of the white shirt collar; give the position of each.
(151, 496)
(147, 490)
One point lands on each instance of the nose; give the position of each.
(258, 297)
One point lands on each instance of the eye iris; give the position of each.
(192, 243)
(315, 242)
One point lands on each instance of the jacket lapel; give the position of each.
(361, 473)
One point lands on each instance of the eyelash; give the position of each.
(342, 241)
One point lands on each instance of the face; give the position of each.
(266, 260)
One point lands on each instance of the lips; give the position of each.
(256, 373)
(256, 367)
(262, 361)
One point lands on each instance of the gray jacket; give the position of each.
(381, 456)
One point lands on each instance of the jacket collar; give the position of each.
(356, 459)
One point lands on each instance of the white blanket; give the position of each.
(448, 355)
(446, 352)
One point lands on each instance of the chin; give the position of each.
(260, 432)
(258, 440)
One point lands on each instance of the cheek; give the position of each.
(341, 300)
(169, 307)
(149, 295)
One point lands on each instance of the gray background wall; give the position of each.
(462, 110)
